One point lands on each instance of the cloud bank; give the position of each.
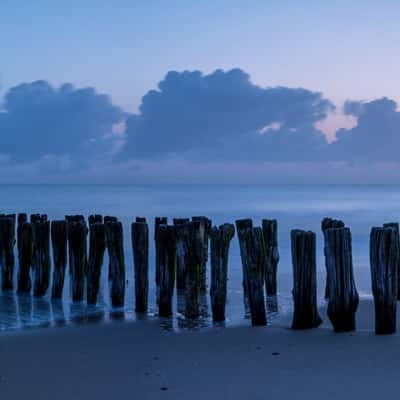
(193, 127)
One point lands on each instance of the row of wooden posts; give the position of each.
(181, 260)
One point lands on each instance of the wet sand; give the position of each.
(139, 360)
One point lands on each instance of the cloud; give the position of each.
(224, 115)
(376, 137)
(39, 120)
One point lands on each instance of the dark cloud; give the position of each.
(376, 137)
(224, 115)
(39, 120)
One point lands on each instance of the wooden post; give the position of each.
(395, 225)
(343, 296)
(305, 314)
(38, 218)
(109, 218)
(97, 246)
(328, 223)
(140, 247)
(141, 219)
(59, 246)
(157, 222)
(77, 246)
(205, 224)
(180, 256)
(167, 264)
(25, 253)
(242, 225)
(254, 254)
(41, 256)
(115, 246)
(7, 241)
(95, 218)
(384, 259)
(220, 241)
(270, 233)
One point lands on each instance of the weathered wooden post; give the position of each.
(93, 218)
(141, 219)
(25, 253)
(305, 314)
(41, 256)
(7, 241)
(167, 264)
(59, 246)
(328, 223)
(254, 253)
(180, 256)
(242, 225)
(220, 241)
(384, 259)
(77, 247)
(205, 227)
(97, 246)
(140, 247)
(115, 246)
(343, 296)
(395, 225)
(157, 222)
(109, 218)
(270, 234)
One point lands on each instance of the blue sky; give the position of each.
(247, 116)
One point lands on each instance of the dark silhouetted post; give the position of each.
(41, 256)
(77, 232)
(97, 246)
(25, 253)
(140, 247)
(205, 227)
(115, 246)
(141, 219)
(270, 233)
(180, 253)
(95, 218)
(220, 242)
(157, 222)
(343, 296)
(395, 225)
(59, 245)
(242, 225)
(167, 264)
(326, 224)
(305, 314)
(7, 241)
(384, 259)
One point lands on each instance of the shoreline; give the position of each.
(128, 359)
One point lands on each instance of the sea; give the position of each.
(294, 206)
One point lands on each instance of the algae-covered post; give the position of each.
(25, 253)
(140, 247)
(395, 225)
(167, 264)
(7, 241)
(326, 224)
(115, 246)
(97, 245)
(384, 258)
(343, 296)
(77, 232)
(180, 254)
(157, 222)
(220, 242)
(205, 224)
(41, 256)
(59, 246)
(305, 315)
(270, 234)
(242, 225)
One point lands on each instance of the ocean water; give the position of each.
(294, 206)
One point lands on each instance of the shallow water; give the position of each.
(295, 206)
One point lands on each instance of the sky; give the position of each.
(220, 87)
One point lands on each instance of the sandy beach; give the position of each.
(123, 360)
